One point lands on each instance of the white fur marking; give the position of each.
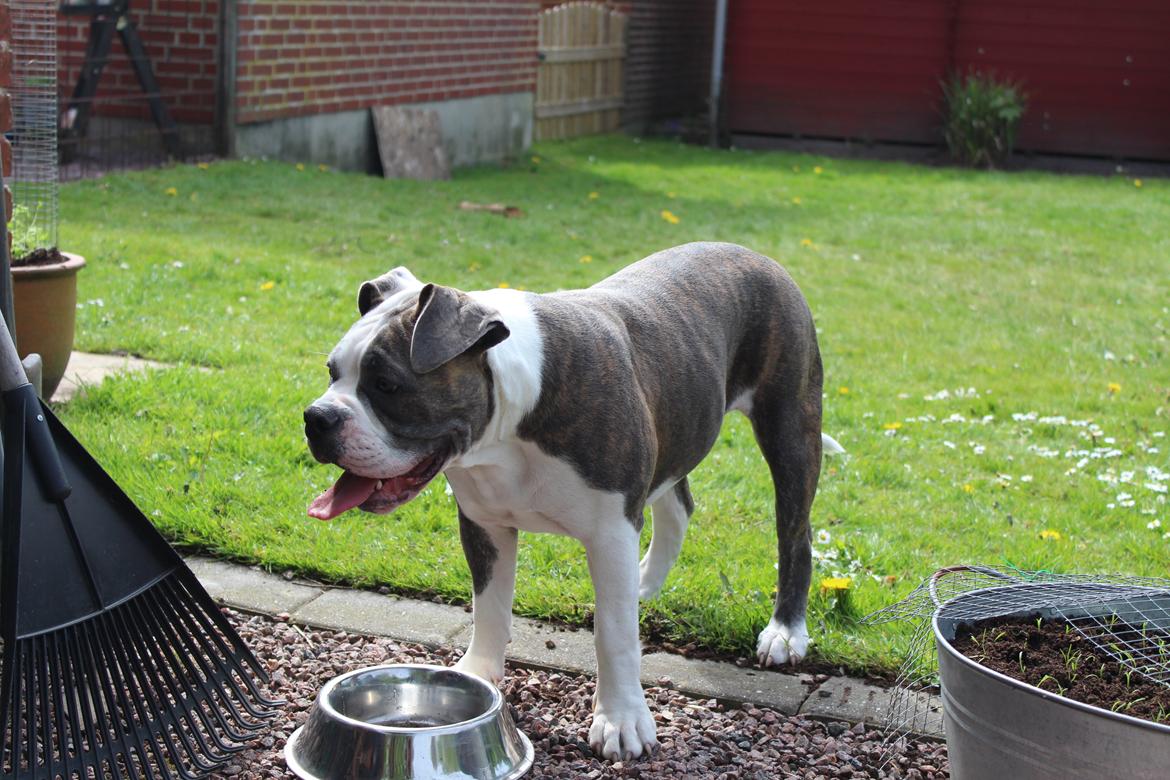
(829, 445)
(492, 611)
(742, 402)
(780, 643)
(516, 364)
(622, 725)
(670, 526)
(366, 449)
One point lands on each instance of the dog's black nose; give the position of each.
(321, 419)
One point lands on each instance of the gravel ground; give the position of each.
(698, 738)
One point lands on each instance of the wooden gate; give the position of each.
(579, 80)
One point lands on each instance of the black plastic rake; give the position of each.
(116, 662)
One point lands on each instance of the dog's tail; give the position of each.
(829, 445)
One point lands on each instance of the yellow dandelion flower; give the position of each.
(796, 201)
(1049, 535)
(806, 242)
(267, 286)
(172, 191)
(1137, 183)
(670, 217)
(474, 267)
(586, 259)
(1114, 388)
(300, 166)
(535, 160)
(892, 426)
(202, 166)
(594, 195)
(504, 285)
(818, 169)
(968, 487)
(843, 390)
(835, 584)
(322, 167)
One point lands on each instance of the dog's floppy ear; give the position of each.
(373, 292)
(448, 324)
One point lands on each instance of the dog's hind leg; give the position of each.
(788, 429)
(671, 513)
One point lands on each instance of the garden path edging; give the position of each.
(536, 644)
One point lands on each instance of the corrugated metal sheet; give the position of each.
(668, 59)
(1098, 73)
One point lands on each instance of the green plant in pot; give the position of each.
(44, 292)
(981, 115)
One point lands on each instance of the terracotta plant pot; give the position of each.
(45, 307)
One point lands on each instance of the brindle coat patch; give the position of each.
(662, 348)
(452, 403)
(481, 554)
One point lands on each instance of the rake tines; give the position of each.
(153, 688)
(117, 664)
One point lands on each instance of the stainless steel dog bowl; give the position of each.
(408, 721)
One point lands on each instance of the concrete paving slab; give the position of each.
(87, 368)
(250, 589)
(713, 679)
(360, 611)
(850, 699)
(542, 644)
(839, 698)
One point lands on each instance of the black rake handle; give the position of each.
(39, 441)
(12, 373)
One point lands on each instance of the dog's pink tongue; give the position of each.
(349, 491)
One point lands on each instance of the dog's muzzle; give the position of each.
(323, 424)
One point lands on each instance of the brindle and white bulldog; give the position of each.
(569, 413)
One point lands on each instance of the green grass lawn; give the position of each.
(995, 351)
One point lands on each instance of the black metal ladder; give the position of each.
(110, 17)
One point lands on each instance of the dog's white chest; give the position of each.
(516, 485)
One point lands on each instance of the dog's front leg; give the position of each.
(491, 555)
(622, 726)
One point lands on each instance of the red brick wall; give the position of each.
(303, 58)
(182, 39)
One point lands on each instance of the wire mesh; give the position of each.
(1125, 617)
(34, 134)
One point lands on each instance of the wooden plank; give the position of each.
(573, 107)
(579, 79)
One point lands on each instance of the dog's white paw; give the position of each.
(650, 583)
(781, 644)
(483, 668)
(621, 735)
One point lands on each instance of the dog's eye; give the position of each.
(384, 385)
(332, 372)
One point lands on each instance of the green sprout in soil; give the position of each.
(1060, 689)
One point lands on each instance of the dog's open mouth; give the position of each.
(376, 495)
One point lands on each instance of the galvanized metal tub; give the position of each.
(999, 728)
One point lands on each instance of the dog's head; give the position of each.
(409, 389)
